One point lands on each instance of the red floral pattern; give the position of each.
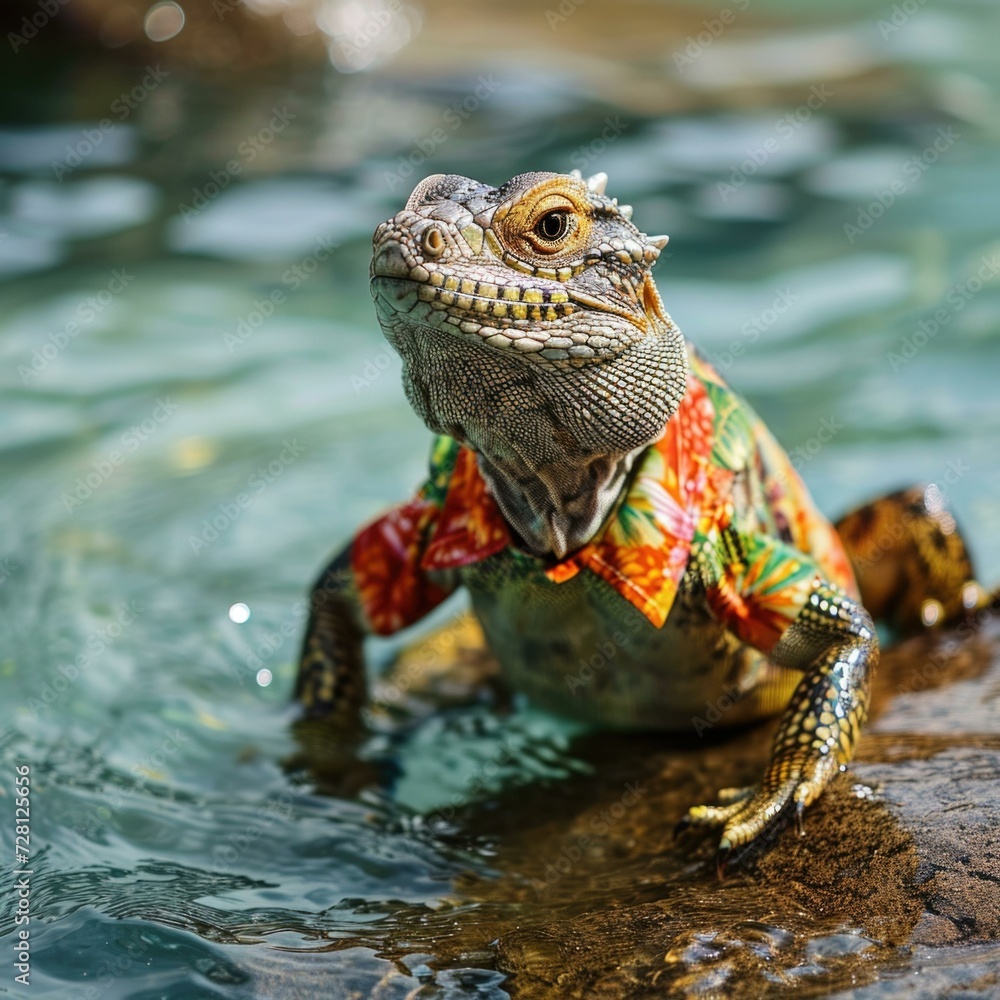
(384, 560)
(470, 526)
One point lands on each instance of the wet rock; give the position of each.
(901, 852)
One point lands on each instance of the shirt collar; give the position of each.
(643, 550)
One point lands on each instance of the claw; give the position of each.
(800, 808)
(721, 857)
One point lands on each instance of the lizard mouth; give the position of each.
(540, 319)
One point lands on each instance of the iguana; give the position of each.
(597, 488)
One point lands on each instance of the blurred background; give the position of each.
(197, 405)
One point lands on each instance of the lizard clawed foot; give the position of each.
(745, 814)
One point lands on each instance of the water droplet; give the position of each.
(163, 21)
(239, 613)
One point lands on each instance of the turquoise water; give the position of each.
(198, 407)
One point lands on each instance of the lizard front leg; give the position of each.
(331, 686)
(773, 598)
(833, 641)
(331, 679)
(375, 585)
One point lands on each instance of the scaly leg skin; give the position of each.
(331, 687)
(833, 641)
(331, 680)
(911, 562)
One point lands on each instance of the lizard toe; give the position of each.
(756, 814)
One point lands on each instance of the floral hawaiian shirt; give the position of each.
(715, 482)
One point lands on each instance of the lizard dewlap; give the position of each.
(635, 543)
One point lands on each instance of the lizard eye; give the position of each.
(551, 221)
(552, 226)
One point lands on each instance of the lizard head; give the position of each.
(545, 266)
(538, 291)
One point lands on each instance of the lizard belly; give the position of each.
(578, 648)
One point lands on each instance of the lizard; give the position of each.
(605, 497)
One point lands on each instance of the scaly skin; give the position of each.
(604, 497)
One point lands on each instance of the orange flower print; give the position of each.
(470, 526)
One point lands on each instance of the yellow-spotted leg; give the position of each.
(833, 642)
(331, 680)
(332, 688)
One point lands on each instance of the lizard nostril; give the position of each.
(433, 242)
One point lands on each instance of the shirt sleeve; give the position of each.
(392, 587)
(760, 587)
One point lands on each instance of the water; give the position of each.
(198, 408)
